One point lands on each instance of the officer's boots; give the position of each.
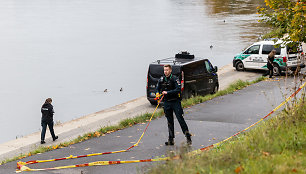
(189, 142)
(188, 137)
(170, 142)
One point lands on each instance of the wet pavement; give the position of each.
(209, 122)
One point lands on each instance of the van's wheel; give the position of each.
(239, 66)
(276, 70)
(215, 89)
(153, 102)
(192, 93)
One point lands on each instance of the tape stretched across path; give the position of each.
(22, 165)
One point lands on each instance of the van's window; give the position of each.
(266, 49)
(196, 69)
(157, 71)
(253, 50)
(208, 67)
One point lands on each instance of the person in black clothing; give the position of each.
(270, 59)
(47, 119)
(170, 86)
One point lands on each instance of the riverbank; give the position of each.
(112, 116)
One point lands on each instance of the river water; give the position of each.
(72, 50)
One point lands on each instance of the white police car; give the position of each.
(255, 57)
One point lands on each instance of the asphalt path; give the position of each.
(209, 122)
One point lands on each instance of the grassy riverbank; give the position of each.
(139, 119)
(277, 145)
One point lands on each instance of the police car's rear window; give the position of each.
(292, 50)
(266, 49)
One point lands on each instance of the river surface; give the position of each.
(72, 50)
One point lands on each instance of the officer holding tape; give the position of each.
(170, 86)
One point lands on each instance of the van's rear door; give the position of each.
(195, 78)
(154, 73)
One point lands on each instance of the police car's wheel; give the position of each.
(239, 66)
(276, 70)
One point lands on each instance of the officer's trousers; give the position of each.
(169, 107)
(44, 125)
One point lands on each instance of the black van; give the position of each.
(197, 75)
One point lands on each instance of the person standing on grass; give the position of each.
(270, 59)
(47, 120)
(170, 86)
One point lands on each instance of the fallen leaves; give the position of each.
(238, 169)
(266, 153)
(55, 147)
(97, 134)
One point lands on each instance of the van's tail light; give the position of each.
(182, 82)
(147, 80)
(285, 59)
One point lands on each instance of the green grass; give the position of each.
(277, 145)
(138, 119)
(232, 88)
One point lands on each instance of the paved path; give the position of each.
(209, 122)
(92, 122)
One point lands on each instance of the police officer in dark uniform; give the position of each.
(170, 86)
(47, 120)
(270, 60)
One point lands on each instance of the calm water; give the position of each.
(72, 50)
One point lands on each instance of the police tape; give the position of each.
(22, 165)
(96, 163)
(275, 109)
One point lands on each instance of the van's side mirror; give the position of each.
(216, 69)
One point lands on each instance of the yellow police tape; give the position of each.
(22, 165)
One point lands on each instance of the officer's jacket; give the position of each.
(47, 112)
(170, 84)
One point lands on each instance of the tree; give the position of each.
(287, 19)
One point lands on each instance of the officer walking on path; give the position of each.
(170, 86)
(47, 119)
